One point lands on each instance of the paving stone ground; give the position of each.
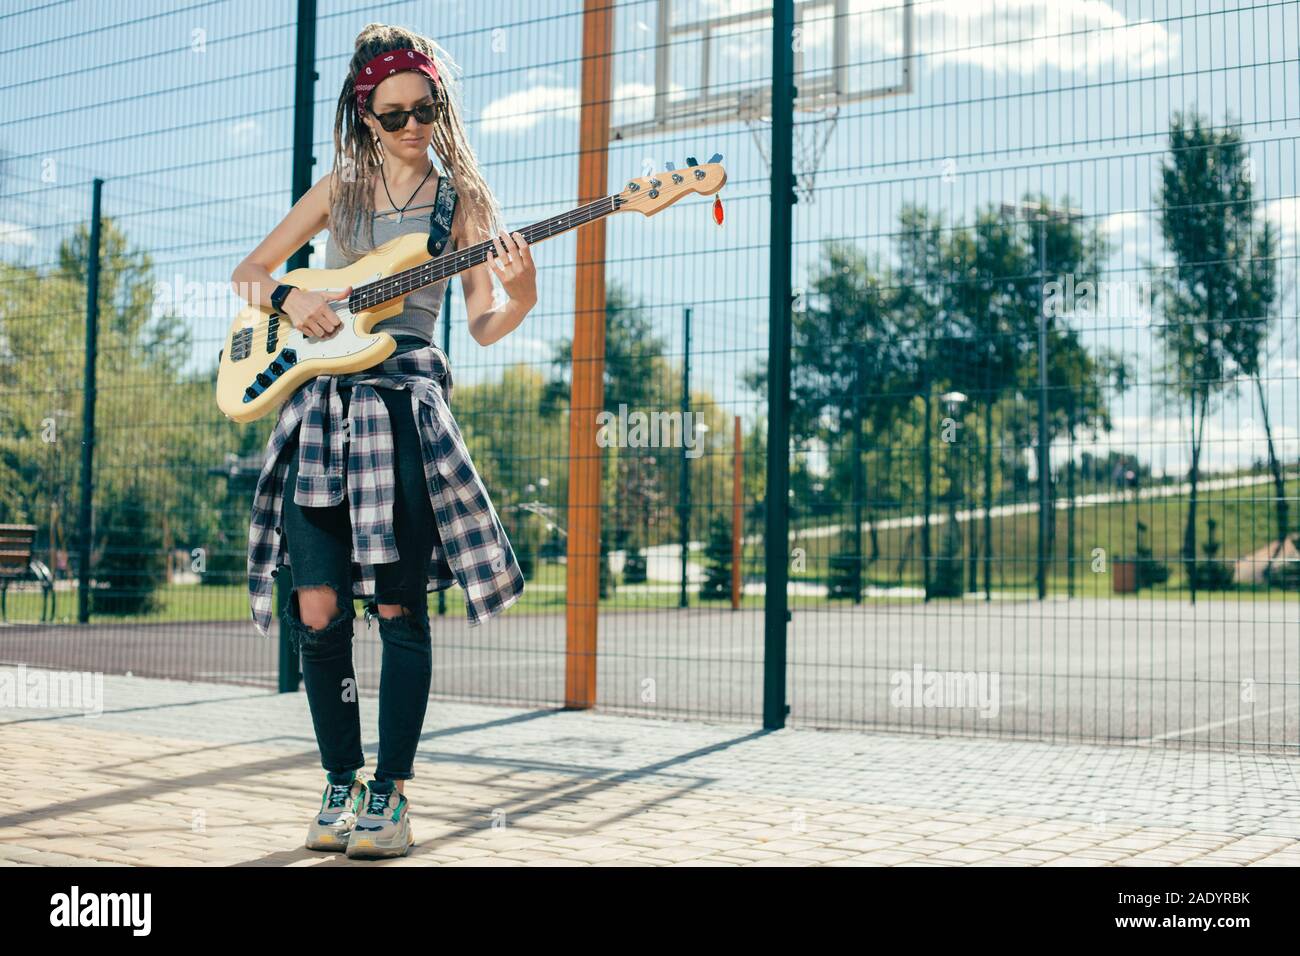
(178, 773)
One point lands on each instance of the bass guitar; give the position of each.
(264, 359)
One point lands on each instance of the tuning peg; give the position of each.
(715, 158)
(669, 166)
(690, 161)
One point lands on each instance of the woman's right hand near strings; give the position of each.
(310, 313)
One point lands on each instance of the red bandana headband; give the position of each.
(385, 65)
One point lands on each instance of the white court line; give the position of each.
(1210, 726)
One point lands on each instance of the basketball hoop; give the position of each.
(813, 127)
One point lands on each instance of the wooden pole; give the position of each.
(582, 581)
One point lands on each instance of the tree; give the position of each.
(1219, 293)
(716, 585)
(1213, 574)
(155, 441)
(130, 563)
(854, 358)
(640, 481)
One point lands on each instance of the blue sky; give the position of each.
(186, 110)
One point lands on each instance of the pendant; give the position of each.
(399, 217)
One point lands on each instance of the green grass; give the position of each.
(1245, 518)
(1245, 524)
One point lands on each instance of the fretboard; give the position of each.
(376, 293)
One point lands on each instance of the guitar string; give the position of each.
(424, 274)
(588, 213)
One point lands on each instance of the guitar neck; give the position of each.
(374, 294)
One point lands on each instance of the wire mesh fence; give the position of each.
(1044, 357)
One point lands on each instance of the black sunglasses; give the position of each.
(425, 113)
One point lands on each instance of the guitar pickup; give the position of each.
(241, 345)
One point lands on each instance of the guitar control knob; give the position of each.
(263, 379)
(277, 368)
(289, 356)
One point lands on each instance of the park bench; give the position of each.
(17, 563)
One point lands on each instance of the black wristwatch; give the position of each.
(279, 295)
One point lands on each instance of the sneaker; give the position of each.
(339, 806)
(382, 827)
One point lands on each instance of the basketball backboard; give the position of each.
(712, 61)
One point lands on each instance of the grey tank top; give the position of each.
(419, 317)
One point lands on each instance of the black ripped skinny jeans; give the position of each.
(319, 541)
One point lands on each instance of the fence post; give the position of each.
(777, 530)
(301, 181)
(304, 114)
(737, 513)
(88, 406)
(684, 498)
(858, 482)
(1045, 508)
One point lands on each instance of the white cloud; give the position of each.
(546, 74)
(1280, 367)
(522, 110)
(1117, 223)
(1005, 36)
(245, 134)
(1132, 236)
(16, 234)
(1284, 214)
(1234, 437)
(1081, 37)
(1073, 36)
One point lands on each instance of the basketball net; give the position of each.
(811, 134)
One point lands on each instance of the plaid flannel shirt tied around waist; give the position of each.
(474, 550)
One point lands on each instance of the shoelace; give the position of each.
(378, 803)
(339, 793)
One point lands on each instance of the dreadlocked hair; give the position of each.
(357, 157)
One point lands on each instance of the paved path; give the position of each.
(189, 773)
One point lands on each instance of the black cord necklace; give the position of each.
(402, 210)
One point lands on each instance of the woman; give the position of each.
(398, 97)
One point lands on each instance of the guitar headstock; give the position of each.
(650, 194)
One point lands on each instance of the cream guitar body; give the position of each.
(265, 359)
